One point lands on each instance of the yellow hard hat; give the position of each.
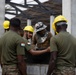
(29, 28)
(6, 24)
(58, 19)
(53, 26)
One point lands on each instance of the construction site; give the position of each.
(31, 12)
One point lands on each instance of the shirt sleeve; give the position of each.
(27, 45)
(20, 47)
(53, 44)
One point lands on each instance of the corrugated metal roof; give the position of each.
(38, 13)
(41, 12)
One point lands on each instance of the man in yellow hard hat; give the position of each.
(63, 49)
(6, 24)
(28, 33)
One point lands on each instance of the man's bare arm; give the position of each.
(52, 62)
(21, 64)
(35, 52)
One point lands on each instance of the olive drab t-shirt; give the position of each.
(12, 45)
(28, 55)
(27, 45)
(65, 45)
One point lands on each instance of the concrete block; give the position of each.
(33, 69)
(37, 69)
(43, 70)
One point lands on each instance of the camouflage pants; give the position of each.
(10, 70)
(65, 71)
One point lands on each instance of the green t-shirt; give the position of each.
(12, 45)
(65, 45)
(27, 45)
(28, 55)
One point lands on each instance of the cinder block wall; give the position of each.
(2, 14)
(37, 69)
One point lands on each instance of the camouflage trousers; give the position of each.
(10, 70)
(65, 71)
